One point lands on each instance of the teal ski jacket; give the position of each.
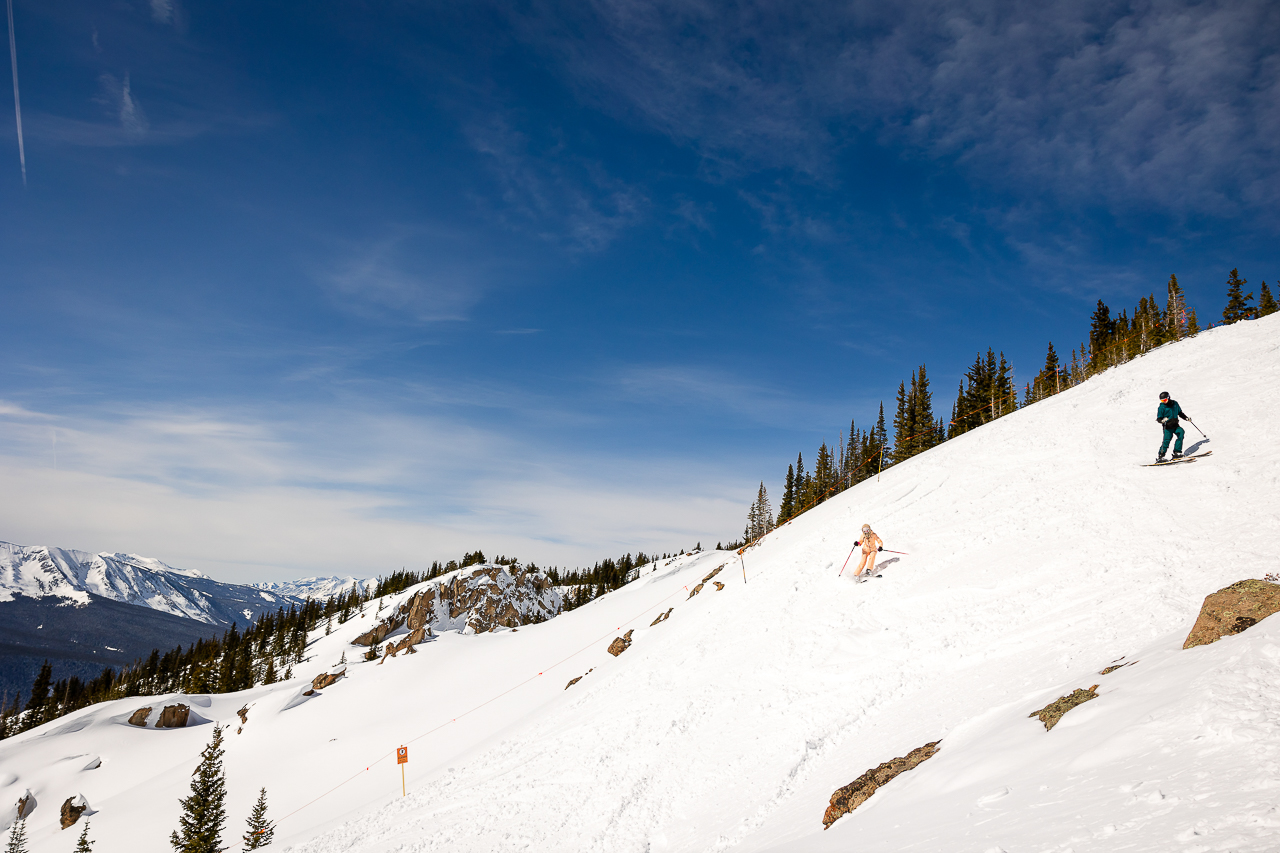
(1169, 412)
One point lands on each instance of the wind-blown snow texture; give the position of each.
(35, 571)
(1039, 553)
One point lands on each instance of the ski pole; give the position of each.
(847, 559)
(890, 551)
(1193, 423)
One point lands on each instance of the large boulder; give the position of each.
(1233, 609)
(848, 798)
(72, 809)
(173, 717)
(26, 804)
(620, 644)
(139, 717)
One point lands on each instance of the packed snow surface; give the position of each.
(1038, 552)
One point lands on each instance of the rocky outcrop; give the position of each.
(379, 632)
(26, 804)
(243, 714)
(173, 717)
(473, 601)
(662, 617)
(406, 644)
(139, 717)
(1233, 609)
(573, 681)
(325, 679)
(714, 572)
(719, 586)
(72, 809)
(848, 798)
(1050, 714)
(620, 644)
(697, 589)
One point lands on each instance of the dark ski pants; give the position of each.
(1177, 445)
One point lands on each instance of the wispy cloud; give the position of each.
(562, 198)
(1172, 103)
(416, 274)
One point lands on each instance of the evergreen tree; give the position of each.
(1266, 302)
(1193, 327)
(1175, 311)
(925, 426)
(203, 812)
(901, 424)
(17, 841)
(1238, 307)
(759, 517)
(83, 844)
(40, 688)
(1101, 330)
(261, 830)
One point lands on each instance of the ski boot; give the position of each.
(1177, 454)
(1160, 458)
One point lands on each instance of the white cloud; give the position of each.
(350, 489)
(162, 11)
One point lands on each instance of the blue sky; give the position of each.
(340, 287)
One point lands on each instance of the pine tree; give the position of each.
(17, 841)
(203, 812)
(925, 426)
(1175, 310)
(40, 688)
(1238, 307)
(261, 830)
(901, 426)
(1266, 302)
(788, 506)
(759, 517)
(1101, 330)
(83, 844)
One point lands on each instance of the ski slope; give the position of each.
(1040, 552)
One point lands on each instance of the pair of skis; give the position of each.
(1179, 460)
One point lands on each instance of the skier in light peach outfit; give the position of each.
(871, 544)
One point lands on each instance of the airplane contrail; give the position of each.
(17, 103)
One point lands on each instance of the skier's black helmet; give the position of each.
(1164, 395)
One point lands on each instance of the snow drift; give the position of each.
(1039, 554)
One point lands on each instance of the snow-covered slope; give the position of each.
(1038, 553)
(318, 588)
(38, 571)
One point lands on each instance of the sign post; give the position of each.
(402, 758)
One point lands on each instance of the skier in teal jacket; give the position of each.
(1168, 415)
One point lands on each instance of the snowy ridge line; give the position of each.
(488, 701)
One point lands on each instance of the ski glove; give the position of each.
(879, 547)
(856, 544)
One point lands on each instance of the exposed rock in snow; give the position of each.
(1050, 714)
(662, 617)
(620, 644)
(848, 798)
(26, 804)
(472, 602)
(1232, 610)
(173, 717)
(139, 717)
(324, 679)
(72, 809)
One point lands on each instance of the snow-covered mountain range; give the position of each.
(38, 571)
(318, 588)
(717, 702)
